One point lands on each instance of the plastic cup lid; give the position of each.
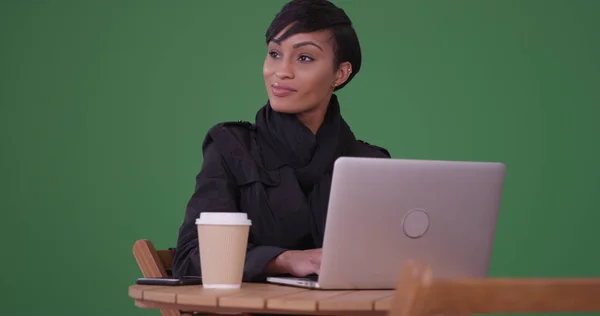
(214, 218)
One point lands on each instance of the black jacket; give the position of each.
(233, 178)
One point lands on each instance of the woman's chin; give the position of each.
(281, 107)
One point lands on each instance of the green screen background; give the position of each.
(104, 106)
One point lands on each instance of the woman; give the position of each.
(279, 169)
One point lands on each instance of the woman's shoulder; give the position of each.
(231, 138)
(231, 132)
(240, 126)
(234, 143)
(364, 149)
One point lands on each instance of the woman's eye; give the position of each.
(304, 58)
(273, 54)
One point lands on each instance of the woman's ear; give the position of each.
(343, 73)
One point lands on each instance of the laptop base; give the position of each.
(310, 283)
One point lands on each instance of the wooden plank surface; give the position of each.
(384, 304)
(224, 311)
(137, 291)
(169, 294)
(305, 301)
(354, 301)
(257, 297)
(199, 296)
(265, 297)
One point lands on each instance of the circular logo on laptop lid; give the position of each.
(415, 223)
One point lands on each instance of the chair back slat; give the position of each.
(419, 293)
(151, 262)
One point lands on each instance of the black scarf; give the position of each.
(311, 156)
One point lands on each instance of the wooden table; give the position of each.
(262, 298)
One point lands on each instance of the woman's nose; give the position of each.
(284, 71)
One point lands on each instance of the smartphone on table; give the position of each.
(186, 280)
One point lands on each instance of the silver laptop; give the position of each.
(383, 212)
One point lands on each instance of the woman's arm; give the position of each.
(216, 191)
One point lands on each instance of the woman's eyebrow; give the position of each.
(307, 43)
(297, 45)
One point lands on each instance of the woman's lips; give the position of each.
(281, 90)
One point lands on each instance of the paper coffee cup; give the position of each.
(222, 239)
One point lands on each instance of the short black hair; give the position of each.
(315, 15)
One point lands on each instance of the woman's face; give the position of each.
(299, 72)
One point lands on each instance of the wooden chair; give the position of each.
(419, 293)
(158, 263)
(155, 264)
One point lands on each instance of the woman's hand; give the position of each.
(299, 263)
